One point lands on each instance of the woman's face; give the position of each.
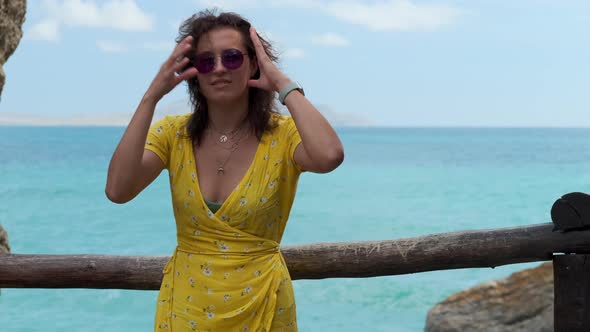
(223, 84)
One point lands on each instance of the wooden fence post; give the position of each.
(572, 293)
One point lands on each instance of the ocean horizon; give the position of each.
(336, 119)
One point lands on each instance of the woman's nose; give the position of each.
(218, 65)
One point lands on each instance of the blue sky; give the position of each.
(389, 62)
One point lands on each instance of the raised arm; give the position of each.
(320, 150)
(132, 168)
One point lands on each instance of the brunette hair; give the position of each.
(260, 102)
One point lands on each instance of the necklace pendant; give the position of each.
(223, 138)
(220, 171)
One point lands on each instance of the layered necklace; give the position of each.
(229, 141)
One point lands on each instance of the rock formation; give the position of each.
(4, 246)
(521, 302)
(12, 16)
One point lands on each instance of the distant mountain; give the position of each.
(20, 119)
(337, 119)
(340, 119)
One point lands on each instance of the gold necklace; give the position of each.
(231, 140)
(234, 137)
(224, 137)
(234, 147)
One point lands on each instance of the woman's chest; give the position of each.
(257, 199)
(221, 168)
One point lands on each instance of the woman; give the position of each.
(233, 165)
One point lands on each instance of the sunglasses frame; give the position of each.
(224, 59)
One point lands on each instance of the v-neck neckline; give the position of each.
(240, 184)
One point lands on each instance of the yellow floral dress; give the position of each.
(227, 272)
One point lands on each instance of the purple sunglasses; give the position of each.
(231, 59)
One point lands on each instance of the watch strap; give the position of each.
(287, 89)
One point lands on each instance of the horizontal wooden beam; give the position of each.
(466, 249)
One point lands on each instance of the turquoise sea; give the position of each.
(394, 183)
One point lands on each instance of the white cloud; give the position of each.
(330, 39)
(400, 15)
(111, 47)
(387, 15)
(47, 30)
(294, 53)
(114, 14)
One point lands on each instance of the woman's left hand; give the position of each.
(271, 78)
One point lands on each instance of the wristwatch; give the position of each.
(290, 87)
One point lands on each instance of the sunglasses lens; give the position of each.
(205, 63)
(232, 59)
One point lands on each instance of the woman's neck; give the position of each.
(227, 116)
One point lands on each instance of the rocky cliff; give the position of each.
(521, 302)
(4, 246)
(12, 16)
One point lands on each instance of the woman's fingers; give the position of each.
(256, 84)
(180, 50)
(180, 64)
(171, 71)
(270, 75)
(189, 72)
(178, 61)
(260, 53)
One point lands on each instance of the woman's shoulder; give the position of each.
(280, 122)
(175, 120)
(173, 123)
(279, 118)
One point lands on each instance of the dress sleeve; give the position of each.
(158, 139)
(293, 139)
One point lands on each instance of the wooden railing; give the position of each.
(467, 249)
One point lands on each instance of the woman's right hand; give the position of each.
(170, 72)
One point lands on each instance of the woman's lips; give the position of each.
(220, 82)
